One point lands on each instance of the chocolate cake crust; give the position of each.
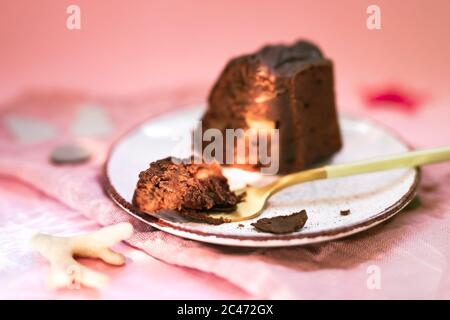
(284, 87)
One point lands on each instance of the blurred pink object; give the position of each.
(393, 97)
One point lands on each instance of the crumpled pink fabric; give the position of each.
(411, 251)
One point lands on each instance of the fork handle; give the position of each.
(403, 160)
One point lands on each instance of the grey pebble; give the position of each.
(69, 154)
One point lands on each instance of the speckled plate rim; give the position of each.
(261, 241)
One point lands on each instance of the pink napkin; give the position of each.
(409, 255)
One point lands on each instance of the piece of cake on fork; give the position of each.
(186, 187)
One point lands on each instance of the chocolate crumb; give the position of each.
(240, 225)
(345, 212)
(282, 224)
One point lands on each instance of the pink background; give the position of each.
(129, 47)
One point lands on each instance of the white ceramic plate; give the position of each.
(371, 198)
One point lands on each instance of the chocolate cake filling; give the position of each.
(188, 188)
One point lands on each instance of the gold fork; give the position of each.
(256, 198)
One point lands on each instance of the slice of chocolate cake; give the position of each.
(188, 188)
(289, 88)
